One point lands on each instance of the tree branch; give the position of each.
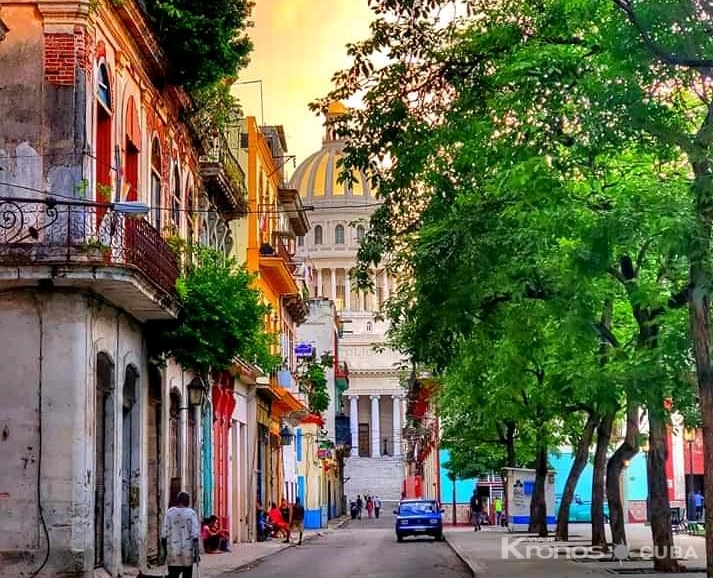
(653, 47)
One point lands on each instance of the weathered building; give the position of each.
(96, 439)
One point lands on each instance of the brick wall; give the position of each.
(63, 53)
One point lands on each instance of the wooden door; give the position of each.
(364, 448)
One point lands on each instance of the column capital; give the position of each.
(397, 396)
(373, 397)
(353, 397)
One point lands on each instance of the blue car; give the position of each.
(418, 518)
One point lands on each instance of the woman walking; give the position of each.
(369, 506)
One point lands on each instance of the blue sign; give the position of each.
(304, 350)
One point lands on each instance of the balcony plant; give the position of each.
(222, 317)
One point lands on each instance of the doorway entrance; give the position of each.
(103, 458)
(364, 447)
(130, 467)
(154, 513)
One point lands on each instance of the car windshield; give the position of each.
(417, 508)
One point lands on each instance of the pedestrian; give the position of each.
(377, 506)
(297, 520)
(360, 505)
(498, 510)
(179, 537)
(698, 497)
(476, 510)
(369, 506)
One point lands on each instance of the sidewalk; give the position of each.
(491, 553)
(247, 554)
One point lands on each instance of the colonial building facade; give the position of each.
(374, 400)
(99, 439)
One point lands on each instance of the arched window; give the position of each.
(318, 235)
(339, 234)
(369, 326)
(156, 182)
(300, 241)
(360, 233)
(176, 201)
(132, 146)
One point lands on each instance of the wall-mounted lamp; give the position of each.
(286, 436)
(196, 392)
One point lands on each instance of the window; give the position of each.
(360, 233)
(318, 235)
(176, 201)
(300, 241)
(104, 87)
(103, 141)
(156, 183)
(132, 147)
(339, 235)
(369, 327)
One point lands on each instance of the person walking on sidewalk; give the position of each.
(297, 521)
(369, 506)
(498, 510)
(476, 511)
(377, 506)
(179, 537)
(359, 504)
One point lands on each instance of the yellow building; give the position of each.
(266, 242)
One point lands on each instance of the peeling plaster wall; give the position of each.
(48, 383)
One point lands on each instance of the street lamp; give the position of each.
(286, 436)
(689, 434)
(196, 391)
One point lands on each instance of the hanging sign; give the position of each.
(304, 350)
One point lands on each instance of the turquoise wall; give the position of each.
(634, 479)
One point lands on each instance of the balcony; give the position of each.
(276, 266)
(72, 244)
(224, 179)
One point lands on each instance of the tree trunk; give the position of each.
(510, 443)
(627, 450)
(599, 535)
(538, 503)
(661, 530)
(699, 308)
(578, 464)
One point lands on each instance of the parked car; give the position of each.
(418, 518)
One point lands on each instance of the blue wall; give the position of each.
(313, 519)
(634, 479)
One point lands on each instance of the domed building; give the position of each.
(374, 400)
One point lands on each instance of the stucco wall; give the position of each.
(49, 383)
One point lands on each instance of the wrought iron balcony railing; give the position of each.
(53, 232)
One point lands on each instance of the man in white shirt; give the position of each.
(179, 536)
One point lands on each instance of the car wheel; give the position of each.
(439, 537)
(399, 538)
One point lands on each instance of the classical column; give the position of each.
(362, 301)
(319, 283)
(397, 424)
(347, 291)
(386, 285)
(354, 423)
(375, 429)
(333, 273)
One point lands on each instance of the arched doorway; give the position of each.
(174, 446)
(130, 466)
(154, 513)
(103, 458)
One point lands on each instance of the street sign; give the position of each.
(304, 350)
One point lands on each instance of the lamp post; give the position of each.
(196, 393)
(689, 434)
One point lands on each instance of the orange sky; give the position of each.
(298, 45)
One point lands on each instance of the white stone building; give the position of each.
(374, 399)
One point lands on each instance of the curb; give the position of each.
(474, 570)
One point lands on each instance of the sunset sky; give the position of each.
(298, 45)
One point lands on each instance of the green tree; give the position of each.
(222, 317)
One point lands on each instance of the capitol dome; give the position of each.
(317, 177)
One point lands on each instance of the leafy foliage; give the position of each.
(222, 317)
(204, 40)
(312, 381)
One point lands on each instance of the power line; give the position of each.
(308, 208)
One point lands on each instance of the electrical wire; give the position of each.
(197, 211)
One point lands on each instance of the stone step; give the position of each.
(381, 477)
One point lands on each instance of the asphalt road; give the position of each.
(362, 549)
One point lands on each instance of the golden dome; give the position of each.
(317, 177)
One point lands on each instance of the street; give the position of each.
(361, 549)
